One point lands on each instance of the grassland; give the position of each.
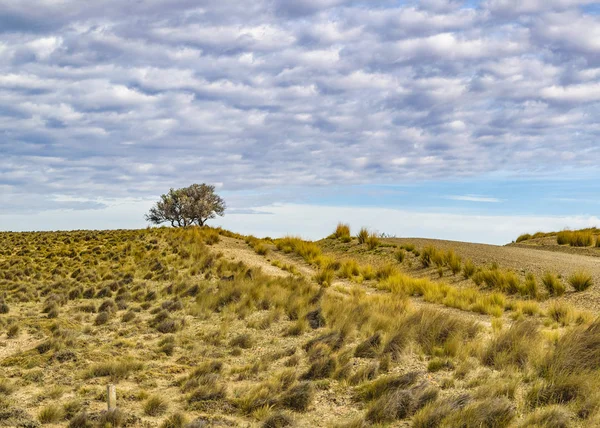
(204, 327)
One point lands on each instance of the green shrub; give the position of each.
(581, 280)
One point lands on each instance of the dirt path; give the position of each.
(235, 249)
(523, 260)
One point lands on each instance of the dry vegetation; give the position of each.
(192, 338)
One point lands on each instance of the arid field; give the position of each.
(201, 327)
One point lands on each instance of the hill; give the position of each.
(204, 327)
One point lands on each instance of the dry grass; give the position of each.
(581, 280)
(189, 336)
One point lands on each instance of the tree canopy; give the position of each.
(188, 206)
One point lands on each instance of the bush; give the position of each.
(115, 369)
(244, 341)
(363, 235)
(299, 397)
(512, 347)
(324, 277)
(102, 318)
(580, 280)
(468, 269)
(342, 231)
(12, 331)
(50, 414)
(400, 255)
(372, 241)
(176, 420)
(155, 406)
(4, 309)
(581, 238)
(553, 285)
(278, 420)
(524, 237)
(492, 412)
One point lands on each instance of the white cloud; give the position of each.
(473, 198)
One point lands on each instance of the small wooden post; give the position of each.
(111, 396)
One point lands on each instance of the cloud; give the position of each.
(114, 99)
(473, 198)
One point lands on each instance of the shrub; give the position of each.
(176, 420)
(349, 269)
(580, 280)
(81, 420)
(385, 384)
(390, 407)
(468, 269)
(261, 249)
(363, 235)
(560, 312)
(530, 287)
(454, 262)
(113, 418)
(577, 351)
(102, 318)
(342, 231)
(575, 238)
(278, 420)
(12, 331)
(324, 277)
(524, 237)
(4, 308)
(244, 341)
(550, 417)
(50, 414)
(427, 256)
(369, 348)
(513, 346)
(115, 369)
(400, 255)
(553, 285)
(372, 241)
(299, 397)
(155, 406)
(492, 412)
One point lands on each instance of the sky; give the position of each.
(465, 120)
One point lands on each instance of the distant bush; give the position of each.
(342, 231)
(524, 237)
(362, 236)
(372, 241)
(580, 238)
(580, 280)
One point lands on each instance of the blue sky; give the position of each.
(481, 114)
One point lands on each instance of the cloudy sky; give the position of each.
(473, 120)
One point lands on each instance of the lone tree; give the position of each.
(187, 206)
